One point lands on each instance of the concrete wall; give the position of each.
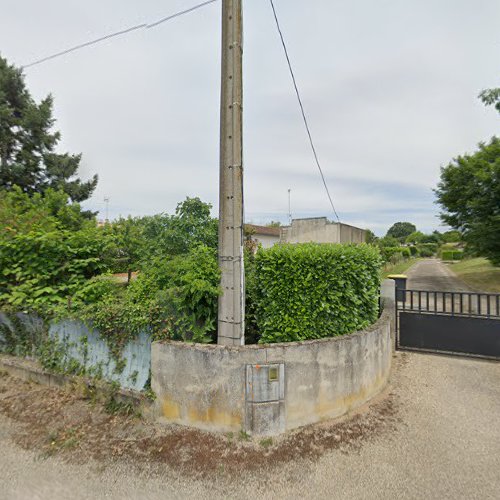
(266, 240)
(320, 230)
(268, 389)
(77, 343)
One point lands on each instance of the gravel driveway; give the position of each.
(445, 444)
(432, 274)
(441, 441)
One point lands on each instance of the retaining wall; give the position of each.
(77, 343)
(269, 389)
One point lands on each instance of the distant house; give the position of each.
(321, 230)
(263, 235)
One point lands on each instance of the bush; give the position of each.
(41, 269)
(425, 252)
(413, 251)
(406, 253)
(311, 291)
(429, 249)
(173, 298)
(451, 255)
(395, 254)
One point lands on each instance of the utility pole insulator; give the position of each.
(231, 315)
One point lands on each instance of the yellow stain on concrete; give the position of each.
(212, 416)
(215, 416)
(170, 409)
(324, 407)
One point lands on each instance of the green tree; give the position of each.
(28, 156)
(401, 230)
(127, 244)
(469, 194)
(370, 237)
(491, 97)
(190, 226)
(47, 249)
(452, 236)
(415, 238)
(388, 241)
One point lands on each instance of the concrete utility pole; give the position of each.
(231, 321)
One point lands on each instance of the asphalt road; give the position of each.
(445, 444)
(432, 274)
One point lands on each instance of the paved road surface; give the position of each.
(445, 445)
(432, 274)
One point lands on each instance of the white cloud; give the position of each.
(390, 89)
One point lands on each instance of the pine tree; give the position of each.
(28, 156)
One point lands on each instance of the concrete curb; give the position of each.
(31, 371)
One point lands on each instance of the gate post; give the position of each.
(388, 302)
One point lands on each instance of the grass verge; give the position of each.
(398, 268)
(478, 273)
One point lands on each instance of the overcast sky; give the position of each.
(390, 88)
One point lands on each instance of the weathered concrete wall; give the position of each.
(266, 240)
(320, 230)
(79, 344)
(268, 389)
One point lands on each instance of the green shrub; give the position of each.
(413, 251)
(451, 255)
(173, 298)
(428, 249)
(406, 253)
(311, 291)
(41, 269)
(447, 255)
(425, 252)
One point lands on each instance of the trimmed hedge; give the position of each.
(413, 251)
(311, 291)
(451, 255)
(395, 254)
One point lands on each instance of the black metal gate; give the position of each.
(462, 323)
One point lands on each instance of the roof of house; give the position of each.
(264, 230)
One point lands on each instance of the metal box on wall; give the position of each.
(265, 399)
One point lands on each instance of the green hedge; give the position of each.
(451, 255)
(428, 249)
(311, 291)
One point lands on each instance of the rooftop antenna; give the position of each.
(290, 206)
(106, 200)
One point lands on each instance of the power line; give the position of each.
(118, 33)
(178, 14)
(82, 45)
(292, 74)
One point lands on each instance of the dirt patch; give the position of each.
(76, 427)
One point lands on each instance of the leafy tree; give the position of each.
(431, 238)
(274, 223)
(21, 213)
(370, 237)
(469, 193)
(28, 157)
(491, 97)
(401, 230)
(127, 244)
(388, 241)
(192, 225)
(452, 237)
(47, 249)
(415, 238)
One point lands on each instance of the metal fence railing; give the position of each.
(470, 304)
